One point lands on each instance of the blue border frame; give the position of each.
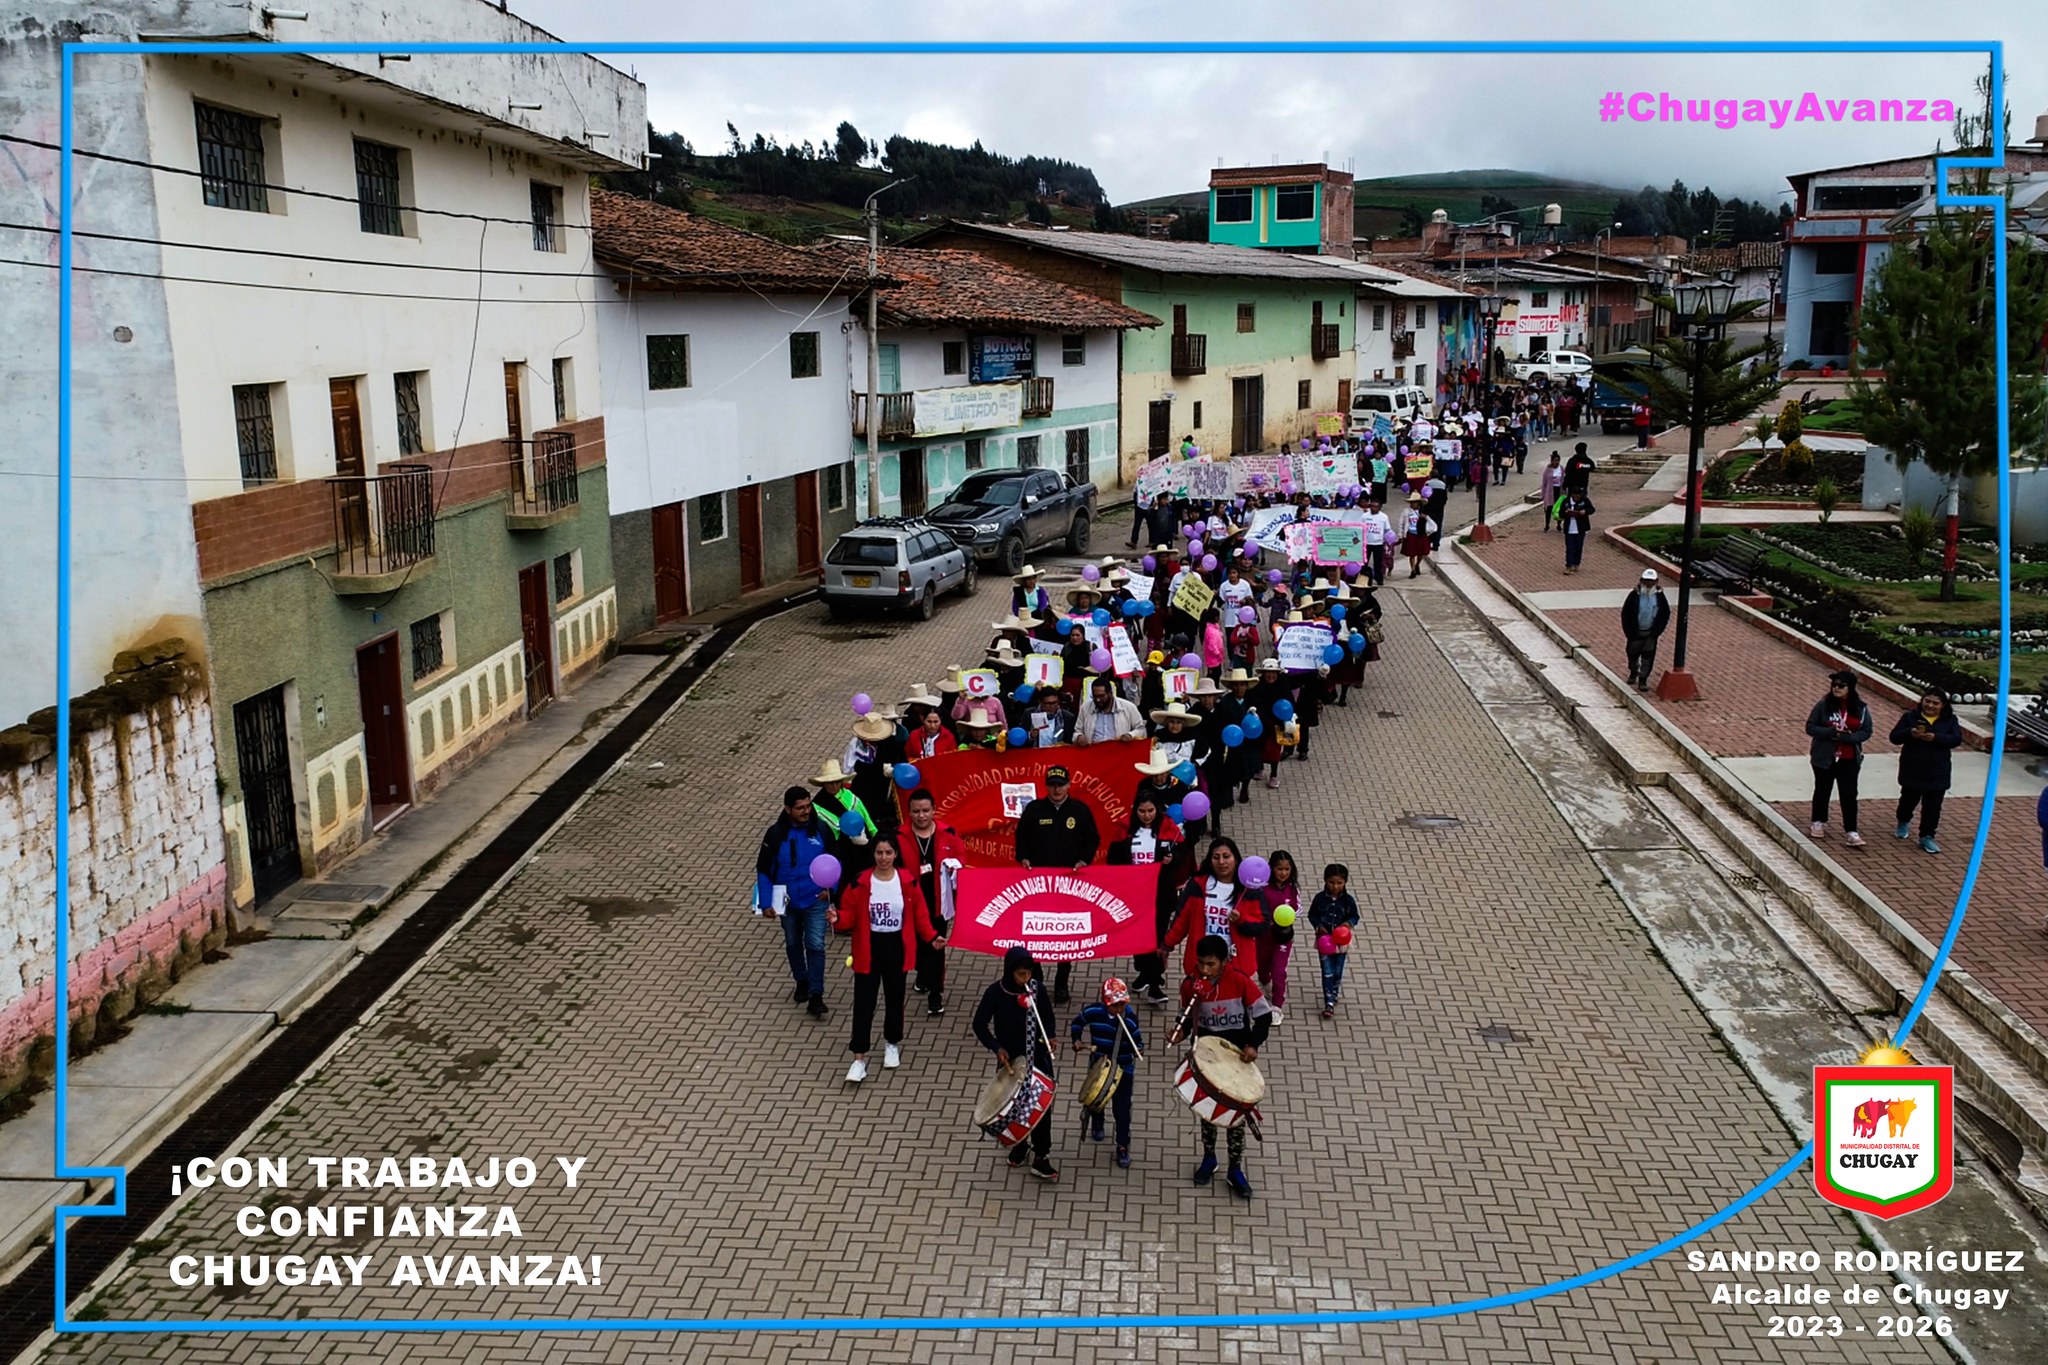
(1995, 157)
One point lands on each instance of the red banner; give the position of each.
(1059, 916)
(980, 793)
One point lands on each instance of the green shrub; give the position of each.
(1826, 497)
(1916, 525)
(1791, 421)
(1718, 484)
(1797, 461)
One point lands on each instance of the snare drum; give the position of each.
(1219, 1084)
(1014, 1102)
(1100, 1084)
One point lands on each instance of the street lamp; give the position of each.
(874, 217)
(1700, 316)
(1489, 314)
(1606, 342)
(1771, 313)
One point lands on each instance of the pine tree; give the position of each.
(1729, 388)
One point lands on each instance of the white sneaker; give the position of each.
(858, 1072)
(892, 1057)
(1853, 839)
(1817, 830)
(1276, 1016)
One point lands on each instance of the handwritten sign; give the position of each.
(1324, 473)
(1265, 469)
(1301, 540)
(1039, 646)
(1337, 544)
(1329, 424)
(1179, 682)
(980, 682)
(1301, 647)
(1122, 654)
(1418, 466)
(1383, 426)
(1140, 587)
(1045, 670)
(1194, 596)
(1449, 448)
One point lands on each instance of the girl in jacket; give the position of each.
(1276, 942)
(1153, 839)
(1926, 736)
(1839, 726)
(886, 914)
(1215, 647)
(1209, 904)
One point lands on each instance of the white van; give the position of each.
(1396, 401)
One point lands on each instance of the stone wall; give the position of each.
(148, 872)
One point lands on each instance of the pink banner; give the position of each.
(1059, 916)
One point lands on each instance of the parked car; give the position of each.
(1557, 364)
(1397, 401)
(1003, 514)
(901, 562)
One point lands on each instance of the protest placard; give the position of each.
(1383, 425)
(1339, 544)
(1140, 586)
(1301, 647)
(1179, 682)
(1045, 670)
(1418, 467)
(1194, 596)
(1122, 653)
(1263, 468)
(1324, 473)
(1329, 424)
(1449, 448)
(1047, 646)
(980, 682)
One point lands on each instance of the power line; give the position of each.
(295, 288)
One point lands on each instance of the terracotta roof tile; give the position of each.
(952, 287)
(668, 246)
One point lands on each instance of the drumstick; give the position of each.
(1125, 1030)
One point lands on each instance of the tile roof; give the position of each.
(1741, 256)
(665, 246)
(952, 287)
(1167, 258)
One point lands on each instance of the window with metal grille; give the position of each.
(563, 375)
(1379, 317)
(255, 434)
(974, 453)
(668, 362)
(231, 159)
(1422, 376)
(1539, 298)
(565, 577)
(547, 216)
(426, 647)
(1247, 317)
(953, 357)
(711, 518)
(1421, 315)
(1234, 206)
(406, 386)
(835, 487)
(803, 355)
(1027, 452)
(1074, 348)
(377, 193)
(1301, 392)
(1077, 454)
(1292, 203)
(1198, 414)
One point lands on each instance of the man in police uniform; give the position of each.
(1055, 832)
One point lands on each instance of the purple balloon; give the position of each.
(1254, 871)
(1258, 480)
(1275, 577)
(1195, 805)
(1247, 616)
(1287, 488)
(1089, 573)
(862, 703)
(1190, 660)
(1351, 570)
(1247, 551)
(824, 871)
(1208, 563)
(1099, 660)
(1195, 546)
(1151, 564)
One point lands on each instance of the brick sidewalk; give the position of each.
(1756, 691)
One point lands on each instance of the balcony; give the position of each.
(1404, 345)
(1038, 397)
(899, 417)
(544, 486)
(383, 528)
(1190, 353)
(1323, 340)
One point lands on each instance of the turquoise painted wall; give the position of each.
(1282, 311)
(1266, 228)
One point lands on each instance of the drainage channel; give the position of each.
(26, 1302)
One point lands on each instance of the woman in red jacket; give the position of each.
(1211, 904)
(925, 850)
(885, 912)
(931, 737)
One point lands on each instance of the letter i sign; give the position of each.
(1884, 1136)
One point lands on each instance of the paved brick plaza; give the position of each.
(617, 1001)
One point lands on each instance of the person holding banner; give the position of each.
(1014, 1022)
(1056, 831)
(930, 738)
(1153, 839)
(1106, 716)
(885, 911)
(931, 852)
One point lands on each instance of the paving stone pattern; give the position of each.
(617, 1001)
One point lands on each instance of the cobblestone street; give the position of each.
(617, 1001)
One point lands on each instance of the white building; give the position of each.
(1403, 322)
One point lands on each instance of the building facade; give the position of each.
(1306, 209)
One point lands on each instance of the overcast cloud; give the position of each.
(1150, 125)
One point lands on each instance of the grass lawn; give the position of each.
(1834, 415)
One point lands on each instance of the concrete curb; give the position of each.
(1956, 986)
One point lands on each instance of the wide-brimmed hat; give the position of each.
(1238, 675)
(1320, 585)
(951, 682)
(1270, 665)
(829, 774)
(1292, 618)
(919, 697)
(1117, 575)
(1005, 656)
(874, 727)
(983, 715)
(1017, 620)
(1414, 498)
(1174, 710)
(1340, 593)
(1028, 571)
(1160, 763)
(1205, 688)
(1090, 589)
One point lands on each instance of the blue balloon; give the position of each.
(907, 776)
(1173, 812)
(1017, 737)
(1134, 608)
(1024, 693)
(1063, 626)
(1232, 736)
(1185, 770)
(1100, 616)
(1283, 710)
(1357, 643)
(852, 825)
(1253, 726)
(1333, 654)
(1338, 611)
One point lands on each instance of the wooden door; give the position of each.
(347, 418)
(910, 485)
(1247, 415)
(751, 579)
(808, 549)
(1180, 319)
(671, 598)
(515, 417)
(269, 809)
(1344, 396)
(1159, 423)
(382, 697)
(537, 633)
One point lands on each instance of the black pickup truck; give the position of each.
(1003, 514)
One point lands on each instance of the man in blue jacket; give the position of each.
(783, 885)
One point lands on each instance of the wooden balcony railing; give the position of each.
(1038, 397)
(1190, 353)
(543, 482)
(383, 525)
(1323, 338)
(899, 417)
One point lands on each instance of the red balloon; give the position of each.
(1341, 936)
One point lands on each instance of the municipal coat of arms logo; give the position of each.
(1884, 1133)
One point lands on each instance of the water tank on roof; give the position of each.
(1439, 216)
(1553, 215)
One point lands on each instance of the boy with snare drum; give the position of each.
(1113, 1033)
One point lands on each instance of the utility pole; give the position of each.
(874, 416)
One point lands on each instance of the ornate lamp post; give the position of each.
(1699, 315)
(1489, 314)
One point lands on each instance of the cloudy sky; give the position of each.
(1155, 124)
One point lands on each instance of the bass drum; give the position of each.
(1220, 1085)
(1014, 1102)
